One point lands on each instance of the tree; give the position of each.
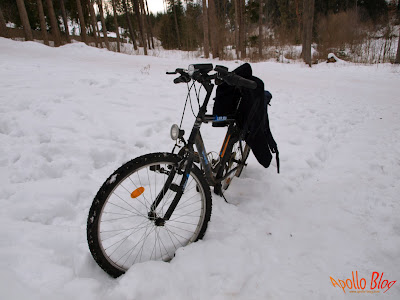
(260, 29)
(149, 25)
(144, 21)
(205, 29)
(82, 21)
(65, 20)
(24, 20)
(3, 26)
(237, 35)
(141, 24)
(94, 24)
(308, 20)
(43, 26)
(116, 25)
(242, 30)
(397, 61)
(176, 23)
(103, 23)
(214, 26)
(128, 20)
(54, 25)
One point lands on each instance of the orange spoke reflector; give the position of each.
(136, 193)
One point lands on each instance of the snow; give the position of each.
(70, 116)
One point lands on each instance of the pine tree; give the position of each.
(3, 26)
(308, 20)
(24, 20)
(128, 20)
(397, 61)
(54, 24)
(93, 20)
(65, 20)
(116, 25)
(82, 22)
(260, 28)
(205, 29)
(43, 25)
(103, 23)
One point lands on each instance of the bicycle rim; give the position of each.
(126, 233)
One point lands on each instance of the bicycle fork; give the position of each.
(169, 185)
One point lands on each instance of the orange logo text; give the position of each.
(377, 283)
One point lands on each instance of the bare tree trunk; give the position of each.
(237, 35)
(205, 29)
(65, 20)
(94, 23)
(55, 32)
(43, 26)
(214, 27)
(308, 18)
(82, 22)
(116, 26)
(303, 29)
(3, 26)
(298, 17)
(128, 19)
(140, 23)
(24, 20)
(150, 27)
(310, 28)
(103, 23)
(176, 24)
(260, 29)
(397, 61)
(242, 30)
(145, 23)
(139, 17)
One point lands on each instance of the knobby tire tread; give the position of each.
(112, 182)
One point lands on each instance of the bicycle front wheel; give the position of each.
(124, 229)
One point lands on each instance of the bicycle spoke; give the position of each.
(174, 234)
(127, 209)
(123, 240)
(186, 215)
(128, 234)
(180, 228)
(147, 203)
(127, 204)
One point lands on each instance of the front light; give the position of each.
(174, 132)
(191, 70)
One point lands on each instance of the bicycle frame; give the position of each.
(188, 151)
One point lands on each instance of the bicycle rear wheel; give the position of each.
(234, 154)
(121, 231)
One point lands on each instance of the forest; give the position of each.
(363, 31)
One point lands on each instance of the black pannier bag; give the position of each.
(251, 115)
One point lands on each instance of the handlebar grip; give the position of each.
(182, 79)
(178, 80)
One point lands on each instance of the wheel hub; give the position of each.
(157, 220)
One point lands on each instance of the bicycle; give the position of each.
(158, 202)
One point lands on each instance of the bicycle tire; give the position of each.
(120, 232)
(235, 155)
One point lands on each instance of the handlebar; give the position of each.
(222, 73)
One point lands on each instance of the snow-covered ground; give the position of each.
(70, 116)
